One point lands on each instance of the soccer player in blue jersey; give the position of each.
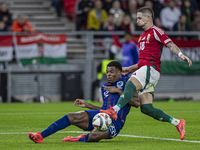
(129, 51)
(111, 92)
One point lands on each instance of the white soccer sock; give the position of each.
(175, 121)
(116, 108)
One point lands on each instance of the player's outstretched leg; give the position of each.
(93, 136)
(35, 137)
(81, 138)
(54, 127)
(158, 114)
(181, 128)
(110, 112)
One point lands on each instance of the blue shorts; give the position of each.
(113, 130)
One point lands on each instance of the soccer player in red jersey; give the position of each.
(147, 70)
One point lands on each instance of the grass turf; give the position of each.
(17, 119)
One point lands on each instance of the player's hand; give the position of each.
(111, 89)
(135, 102)
(125, 70)
(80, 103)
(186, 59)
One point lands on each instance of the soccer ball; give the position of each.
(101, 122)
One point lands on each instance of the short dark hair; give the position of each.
(146, 9)
(116, 64)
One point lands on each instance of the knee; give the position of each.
(78, 117)
(94, 136)
(146, 108)
(72, 117)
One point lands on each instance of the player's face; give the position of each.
(142, 20)
(113, 74)
(127, 38)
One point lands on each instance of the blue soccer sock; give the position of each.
(85, 139)
(58, 125)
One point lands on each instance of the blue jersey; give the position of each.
(129, 54)
(111, 99)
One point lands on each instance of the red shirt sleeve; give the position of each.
(16, 27)
(29, 26)
(161, 36)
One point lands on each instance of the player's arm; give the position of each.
(113, 89)
(82, 103)
(132, 68)
(177, 52)
(134, 101)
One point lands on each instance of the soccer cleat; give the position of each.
(73, 139)
(110, 112)
(181, 128)
(35, 137)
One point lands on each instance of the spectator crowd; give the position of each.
(7, 23)
(117, 15)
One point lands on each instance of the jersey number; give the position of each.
(142, 46)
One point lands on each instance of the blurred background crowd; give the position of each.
(115, 15)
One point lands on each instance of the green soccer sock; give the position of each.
(156, 113)
(126, 96)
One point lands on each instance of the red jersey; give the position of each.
(150, 46)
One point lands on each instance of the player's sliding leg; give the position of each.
(96, 136)
(54, 127)
(79, 119)
(35, 137)
(83, 137)
(93, 136)
(131, 87)
(148, 109)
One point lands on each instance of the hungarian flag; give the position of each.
(6, 48)
(42, 48)
(172, 64)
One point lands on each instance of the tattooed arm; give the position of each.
(176, 51)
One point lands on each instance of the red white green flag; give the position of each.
(6, 48)
(45, 48)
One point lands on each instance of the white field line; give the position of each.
(34, 113)
(51, 113)
(122, 135)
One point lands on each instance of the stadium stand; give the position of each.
(41, 14)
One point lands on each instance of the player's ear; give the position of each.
(149, 17)
(119, 73)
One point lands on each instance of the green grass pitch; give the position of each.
(139, 132)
